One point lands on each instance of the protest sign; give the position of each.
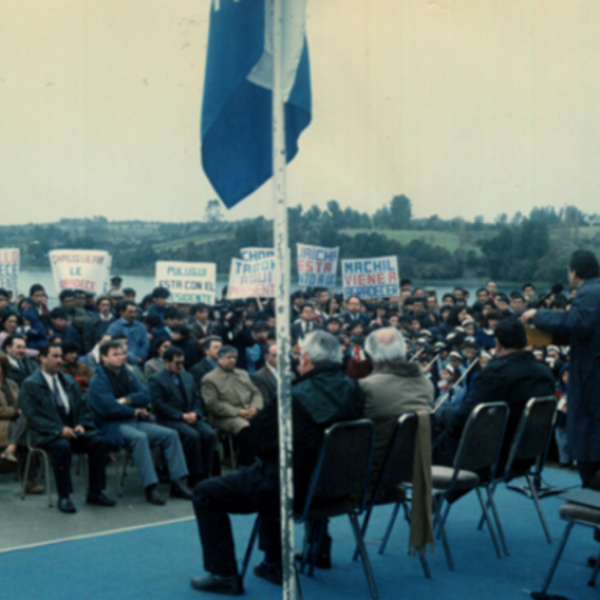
(9, 269)
(188, 282)
(317, 266)
(251, 279)
(256, 253)
(87, 270)
(371, 277)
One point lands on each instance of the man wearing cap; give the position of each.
(115, 283)
(231, 400)
(582, 324)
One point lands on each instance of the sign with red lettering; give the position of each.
(9, 269)
(317, 266)
(371, 277)
(87, 270)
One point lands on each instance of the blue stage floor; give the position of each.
(156, 562)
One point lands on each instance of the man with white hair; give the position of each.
(393, 388)
(321, 396)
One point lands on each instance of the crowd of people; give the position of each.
(96, 375)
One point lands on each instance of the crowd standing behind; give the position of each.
(228, 349)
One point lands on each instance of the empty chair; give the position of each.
(528, 449)
(474, 467)
(339, 486)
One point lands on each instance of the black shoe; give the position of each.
(100, 499)
(180, 490)
(323, 560)
(65, 505)
(216, 584)
(592, 561)
(272, 573)
(154, 497)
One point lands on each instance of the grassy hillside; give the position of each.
(196, 240)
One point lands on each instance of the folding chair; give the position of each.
(340, 475)
(583, 508)
(46, 463)
(529, 447)
(395, 473)
(474, 468)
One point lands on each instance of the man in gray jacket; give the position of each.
(393, 388)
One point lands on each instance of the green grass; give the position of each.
(447, 240)
(197, 240)
(584, 232)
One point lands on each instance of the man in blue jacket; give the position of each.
(582, 324)
(134, 331)
(119, 404)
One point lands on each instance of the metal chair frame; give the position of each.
(400, 453)
(539, 454)
(462, 462)
(311, 544)
(46, 461)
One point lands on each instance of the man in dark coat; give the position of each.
(514, 377)
(582, 323)
(94, 328)
(21, 366)
(323, 395)
(265, 379)
(210, 346)
(177, 405)
(60, 422)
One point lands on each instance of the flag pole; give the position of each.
(282, 295)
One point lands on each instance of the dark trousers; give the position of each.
(255, 489)
(199, 442)
(587, 470)
(95, 446)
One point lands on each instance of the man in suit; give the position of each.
(59, 421)
(354, 314)
(211, 346)
(177, 405)
(21, 366)
(201, 328)
(119, 403)
(305, 324)
(265, 379)
(95, 327)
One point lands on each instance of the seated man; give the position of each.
(61, 327)
(265, 379)
(135, 332)
(59, 421)
(231, 400)
(119, 404)
(21, 366)
(210, 346)
(514, 377)
(177, 405)
(321, 396)
(393, 388)
(95, 326)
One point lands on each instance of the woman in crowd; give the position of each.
(156, 363)
(12, 424)
(10, 324)
(74, 367)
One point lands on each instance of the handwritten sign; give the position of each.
(317, 266)
(188, 282)
(371, 277)
(9, 269)
(87, 270)
(251, 279)
(256, 253)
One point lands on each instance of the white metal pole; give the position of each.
(282, 295)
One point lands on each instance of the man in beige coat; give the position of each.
(394, 387)
(231, 400)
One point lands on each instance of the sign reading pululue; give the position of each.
(317, 266)
(371, 277)
(251, 279)
(87, 270)
(188, 282)
(256, 253)
(9, 269)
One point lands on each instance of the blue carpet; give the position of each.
(157, 562)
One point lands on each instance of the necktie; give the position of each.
(59, 401)
(21, 366)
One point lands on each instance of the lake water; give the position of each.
(143, 284)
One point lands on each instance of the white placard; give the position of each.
(317, 266)
(188, 282)
(371, 277)
(251, 279)
(9, 270)
(87, 270)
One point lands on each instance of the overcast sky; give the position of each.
(467, 106)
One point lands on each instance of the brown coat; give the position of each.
(8, 410)
(391, 390)
(225, 393)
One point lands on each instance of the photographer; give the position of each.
(233, 331)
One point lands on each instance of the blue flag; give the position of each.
(236, 130)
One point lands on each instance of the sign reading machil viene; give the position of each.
(87, 270)
(251, 279)
(256, 253)
(9, 269)
(188, 282)
(371, 277)
(317, 266)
